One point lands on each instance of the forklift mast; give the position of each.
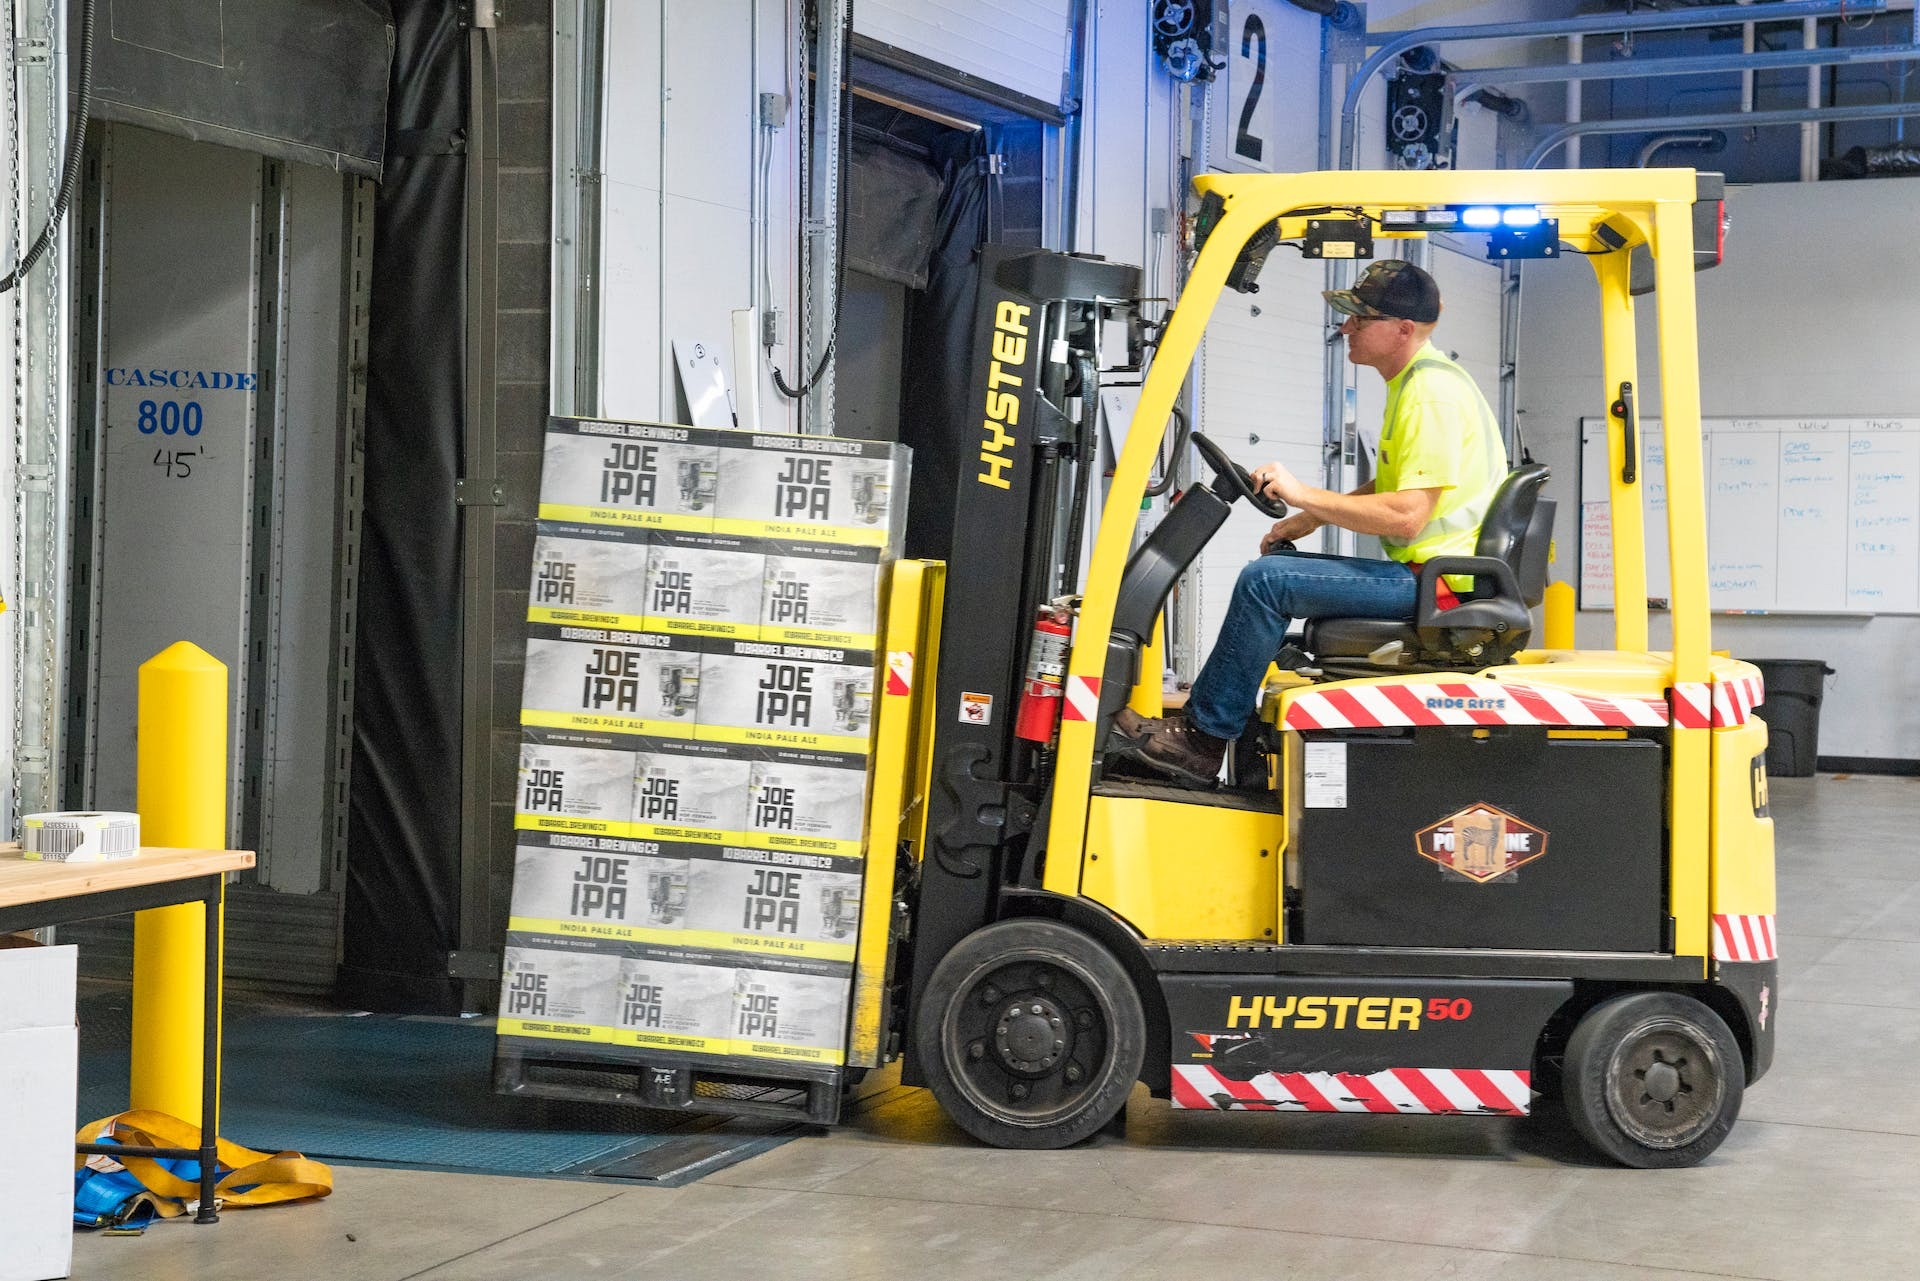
(1036, 355)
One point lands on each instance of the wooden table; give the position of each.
(34, 895)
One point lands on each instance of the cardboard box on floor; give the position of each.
(39, 1055)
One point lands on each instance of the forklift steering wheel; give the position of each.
(1232, 473)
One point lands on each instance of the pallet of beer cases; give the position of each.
(697, 716)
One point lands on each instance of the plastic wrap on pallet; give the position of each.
(697, 713)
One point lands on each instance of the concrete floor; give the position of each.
(1820, 1179)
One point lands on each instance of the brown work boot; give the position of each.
(1190, 754)
(1131, 729)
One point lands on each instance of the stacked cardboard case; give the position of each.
(697, 715)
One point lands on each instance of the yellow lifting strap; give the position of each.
(250, 1178)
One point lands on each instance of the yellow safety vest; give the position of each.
(1439, 433)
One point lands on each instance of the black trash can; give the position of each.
(1792, 712)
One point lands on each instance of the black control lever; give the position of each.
(1623, 410)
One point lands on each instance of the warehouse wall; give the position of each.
(679, 179)
(1812, 312)
(679, 176)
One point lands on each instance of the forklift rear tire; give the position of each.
(1653, 1080)
(1030, 1035)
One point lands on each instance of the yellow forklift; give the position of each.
(1452, 873)
(1457, 872)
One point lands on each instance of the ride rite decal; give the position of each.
(1481, 844)
(1003, 407)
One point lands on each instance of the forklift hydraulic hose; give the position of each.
(71, 175)
(1181, 430)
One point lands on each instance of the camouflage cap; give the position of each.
(1391, 287)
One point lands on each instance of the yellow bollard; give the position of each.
(1557, 629)
(1147, 695)
(182, 799)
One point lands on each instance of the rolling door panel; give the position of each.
(1016, 44)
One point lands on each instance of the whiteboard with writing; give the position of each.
(1805, 515)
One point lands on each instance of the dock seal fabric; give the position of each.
(402, 911)
(298, 80)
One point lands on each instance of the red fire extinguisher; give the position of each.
(1046, 669)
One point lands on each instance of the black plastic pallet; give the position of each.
(690, 1083)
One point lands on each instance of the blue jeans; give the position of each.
(1270, 593)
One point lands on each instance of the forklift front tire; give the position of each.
(1653, 1080)
(1030, 1035)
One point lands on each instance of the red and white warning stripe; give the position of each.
(1717, 703)
(1440, 1091)
(1744, 938)
(899, 672)
(1743, 694)
(1083, 698)
(1465, 702)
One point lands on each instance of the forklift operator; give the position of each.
(1440, 461)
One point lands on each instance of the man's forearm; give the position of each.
(1363, 511)
(1319, 521)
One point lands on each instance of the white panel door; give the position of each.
(1469, 328)
(1016, 44)
(1260, 373)
(1262, 398)
(1262, 394)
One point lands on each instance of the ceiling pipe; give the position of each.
(1712, 141)
(1706, 64)
(1393, 44)
(1723, 119)
(1810, 134)
(1746, 77)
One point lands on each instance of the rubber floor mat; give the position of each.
(414, 1092)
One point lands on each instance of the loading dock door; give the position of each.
(177, 394)
(213, 500)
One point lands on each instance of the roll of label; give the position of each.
(80, 836)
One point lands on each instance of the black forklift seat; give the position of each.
(1492, 622)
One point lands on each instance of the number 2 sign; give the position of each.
(1264, 114)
